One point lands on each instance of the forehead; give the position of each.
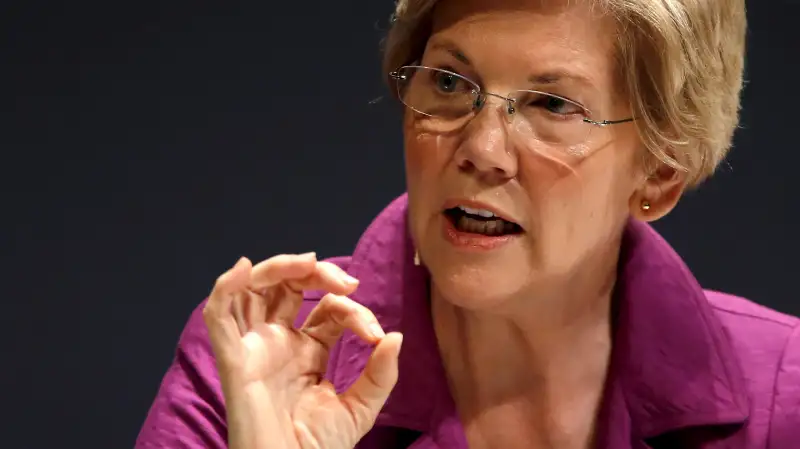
(529, 36)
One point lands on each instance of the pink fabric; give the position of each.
(691, 369)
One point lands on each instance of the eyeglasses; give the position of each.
(447, 101)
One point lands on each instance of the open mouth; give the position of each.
(482, 222)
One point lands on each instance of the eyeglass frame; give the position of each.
(396, 76)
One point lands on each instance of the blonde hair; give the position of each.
(681, 65)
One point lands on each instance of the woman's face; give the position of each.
(568, 186)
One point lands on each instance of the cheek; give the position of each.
(416, 153)
(577, 201)
(426, 155)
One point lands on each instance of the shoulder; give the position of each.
(755, 330)
(767, 344)
(736, 307)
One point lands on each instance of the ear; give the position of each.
(658, 194)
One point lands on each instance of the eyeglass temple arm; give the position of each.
(607, 122)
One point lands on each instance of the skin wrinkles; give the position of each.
(518, 130)
(561, 62)
(524, 329)
(555, 73)
(567, 166)
(520, 139)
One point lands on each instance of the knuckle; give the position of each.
(281, 259)
(274, 259)
(222, 281)
(327, 303)
(345, 304)
(329, 267)
(219, 282)
(335, 306)
(362, 310)
(213, 309)
(209, 314)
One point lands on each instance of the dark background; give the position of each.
(147, 146)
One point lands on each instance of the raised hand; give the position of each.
(272, 373)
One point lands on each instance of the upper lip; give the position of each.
(498, 212)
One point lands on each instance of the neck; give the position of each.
(529, 350)
(542, 359)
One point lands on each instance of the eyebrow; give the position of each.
(551, 77)
(555, 76)
(453, 50)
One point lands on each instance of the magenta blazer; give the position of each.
(690, 368)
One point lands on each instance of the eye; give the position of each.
(556, 105)
(446, 82)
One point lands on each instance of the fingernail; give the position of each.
(311, 255)
(376, 331)
(349, 279)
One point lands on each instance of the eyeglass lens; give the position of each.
(448, 101)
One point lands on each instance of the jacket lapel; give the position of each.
(672, 366)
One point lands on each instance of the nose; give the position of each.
(485, 151)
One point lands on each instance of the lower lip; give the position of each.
(467, 240)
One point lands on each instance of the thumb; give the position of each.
(366, 396)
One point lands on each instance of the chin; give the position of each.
(473, 276)
(478, 283)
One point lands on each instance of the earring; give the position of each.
(645, 205)
(416, 258)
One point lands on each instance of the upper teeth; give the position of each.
(482, 212)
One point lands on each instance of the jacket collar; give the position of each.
(672, 365)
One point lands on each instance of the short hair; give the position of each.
(680, 65)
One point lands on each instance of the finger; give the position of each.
(269, 289)
(233, 280)
(256, 310)
(217, 313)
(366, 396)
(336, 313)
(238, 310)
(249, 309)
(281, 268)
(327, 277)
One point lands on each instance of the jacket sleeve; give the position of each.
(785, 422)
(189, 408)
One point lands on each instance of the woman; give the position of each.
(535, 306)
